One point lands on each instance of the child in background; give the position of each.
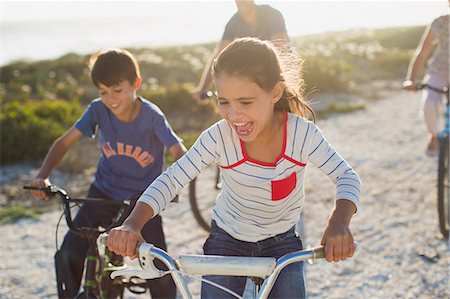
(437, 75)
(262, 145)
(134, 135)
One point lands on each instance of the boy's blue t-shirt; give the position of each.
(132, 154)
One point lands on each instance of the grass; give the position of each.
(340, 108)
(20, 211)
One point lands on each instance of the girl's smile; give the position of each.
(243, 129)
(248, 108)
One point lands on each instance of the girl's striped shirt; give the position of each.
(258, 200)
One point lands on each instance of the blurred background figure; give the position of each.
(261, 21)
(437, 74)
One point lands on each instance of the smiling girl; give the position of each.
(262, 144)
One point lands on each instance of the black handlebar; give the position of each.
(86, 232)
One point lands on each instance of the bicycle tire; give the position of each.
(443, 187)
(202, 198)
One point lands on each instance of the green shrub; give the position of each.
(28, 129)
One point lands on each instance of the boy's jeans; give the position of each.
(290, 282)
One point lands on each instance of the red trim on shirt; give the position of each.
(282, 154)
(294, 161)
(247, 158)
(233, 165)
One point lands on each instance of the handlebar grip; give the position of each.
(102, 239)
(40, 188)
(319, 252)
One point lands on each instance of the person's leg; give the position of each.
(432, 103)
(291, 281)
(221, 243)
(164, 287)
(69, 259)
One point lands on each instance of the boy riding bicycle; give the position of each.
(134, 135)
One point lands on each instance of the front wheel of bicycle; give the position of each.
(443, 187)
(203, 191)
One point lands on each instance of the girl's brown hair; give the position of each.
(260, 62)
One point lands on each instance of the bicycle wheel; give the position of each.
(443, 187)
(203, 191)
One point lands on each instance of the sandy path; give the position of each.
(401, 253)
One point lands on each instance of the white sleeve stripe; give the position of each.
(347, 178)
(192, 163)
(304, 140)
(350, 185)
(224, 148)
(157, 190)
(175, 178)
(336, 168)
(201, 158)
(317, 147)
(184, 171)
(295, 135)
(201, 143)
(165, 174)
(167, 187)
(209, 133)
(327, 160)
(340, 192)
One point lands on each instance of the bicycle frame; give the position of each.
(266, 268)
(446, 130)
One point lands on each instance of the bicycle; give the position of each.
(200, 200)
(443, 180)
(99, 263)
(263, 270)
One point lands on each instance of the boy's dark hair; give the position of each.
(113, 66)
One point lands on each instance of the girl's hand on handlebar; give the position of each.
(123, 240)
(38, 182)
(338, 242)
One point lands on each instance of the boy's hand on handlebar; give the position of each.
(123, 240)
(338, 242)
(38, 182)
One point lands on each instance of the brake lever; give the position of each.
(148, 271)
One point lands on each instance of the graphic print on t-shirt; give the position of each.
(142, 158)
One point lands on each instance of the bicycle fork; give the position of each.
(90, 282)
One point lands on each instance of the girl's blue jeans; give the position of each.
(290, 282)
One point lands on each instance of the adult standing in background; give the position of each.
(261, 21)
(437, 74)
